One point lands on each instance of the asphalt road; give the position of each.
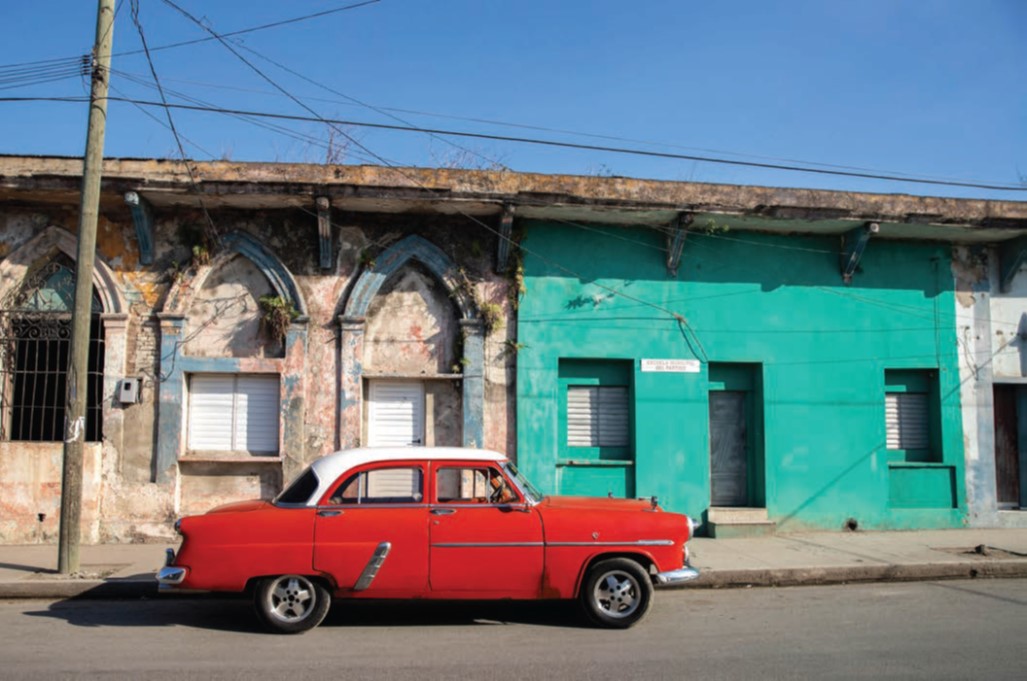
(943, 630)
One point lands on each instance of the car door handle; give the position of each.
(443, 511)
(329, 514)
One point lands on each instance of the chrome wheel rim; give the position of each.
(291, 599)
(616, 594)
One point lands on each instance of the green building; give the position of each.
(760, 371)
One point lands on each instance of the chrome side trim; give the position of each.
(369, 505)
(679, 576)
(373, 565)
(485, 545)
(641, 542)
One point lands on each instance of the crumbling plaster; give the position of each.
(131, 494)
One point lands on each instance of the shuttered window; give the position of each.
(907, 420)
(233, 412)
(597, 416)
(396, 414)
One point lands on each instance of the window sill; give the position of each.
(239, 458)
(597, 463)
(919, 464)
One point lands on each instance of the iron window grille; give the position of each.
(35, 352)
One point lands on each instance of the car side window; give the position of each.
(400, 485)
(465, 484)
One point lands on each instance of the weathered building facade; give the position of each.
(268, 315)
(758, 357)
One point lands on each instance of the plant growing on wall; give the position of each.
(201, 256)
(491, 316)
(491, 313)
(276, 314)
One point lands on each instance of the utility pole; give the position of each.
(78, 380)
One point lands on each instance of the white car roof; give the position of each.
(330, 467)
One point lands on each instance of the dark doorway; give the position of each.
(1010, 441)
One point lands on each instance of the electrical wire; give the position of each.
(282, 130)
(572, 145)
(252, 29)
(212, 230)
(682, 322)
(349, 101)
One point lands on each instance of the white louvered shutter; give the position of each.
(906, 421)
(597, 416)
(256, 413)
(396, 414)
(233, 413)
(211, 401)
(400, 483)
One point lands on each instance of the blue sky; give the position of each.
(929, 88)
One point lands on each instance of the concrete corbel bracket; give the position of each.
(676, 241)
(324, 230)
(142, 216)
(854, 242)
(505, 238)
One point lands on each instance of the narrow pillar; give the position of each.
(474, 382)
(351, 386)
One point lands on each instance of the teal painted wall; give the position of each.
(820, 348)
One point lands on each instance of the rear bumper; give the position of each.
(170, 576)
(679, 576)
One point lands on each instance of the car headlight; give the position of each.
(178, 526)
(693, 525)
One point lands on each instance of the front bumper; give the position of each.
(679, 576)
(170, 576)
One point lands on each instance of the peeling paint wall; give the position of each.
(178, 317)
(224, 318)
(991, 330)
(411, 327)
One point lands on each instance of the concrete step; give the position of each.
(728, 523)
(737, 514)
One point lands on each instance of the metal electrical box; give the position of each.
(128, 390)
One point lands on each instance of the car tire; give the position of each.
(291, 604)
(616, 593)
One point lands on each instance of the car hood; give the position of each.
(596, 504)
(241, 506)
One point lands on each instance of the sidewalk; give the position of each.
(127, 570)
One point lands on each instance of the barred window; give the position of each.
(35, 352)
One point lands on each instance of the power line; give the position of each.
(358, 102)
(24, 75)
(539, 128)
(253, 29)
(280, 129)
(680, 319)
(573, 145)
(211, 232)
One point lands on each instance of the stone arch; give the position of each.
(396, 256)
(239, 244)
(43, 247)
(353, 328)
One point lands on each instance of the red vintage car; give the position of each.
(441, 523)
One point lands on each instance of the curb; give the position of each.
(99, 589)
(723, 579)
(92, 589)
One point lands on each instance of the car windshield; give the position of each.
(529, 490)
(300, 491)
